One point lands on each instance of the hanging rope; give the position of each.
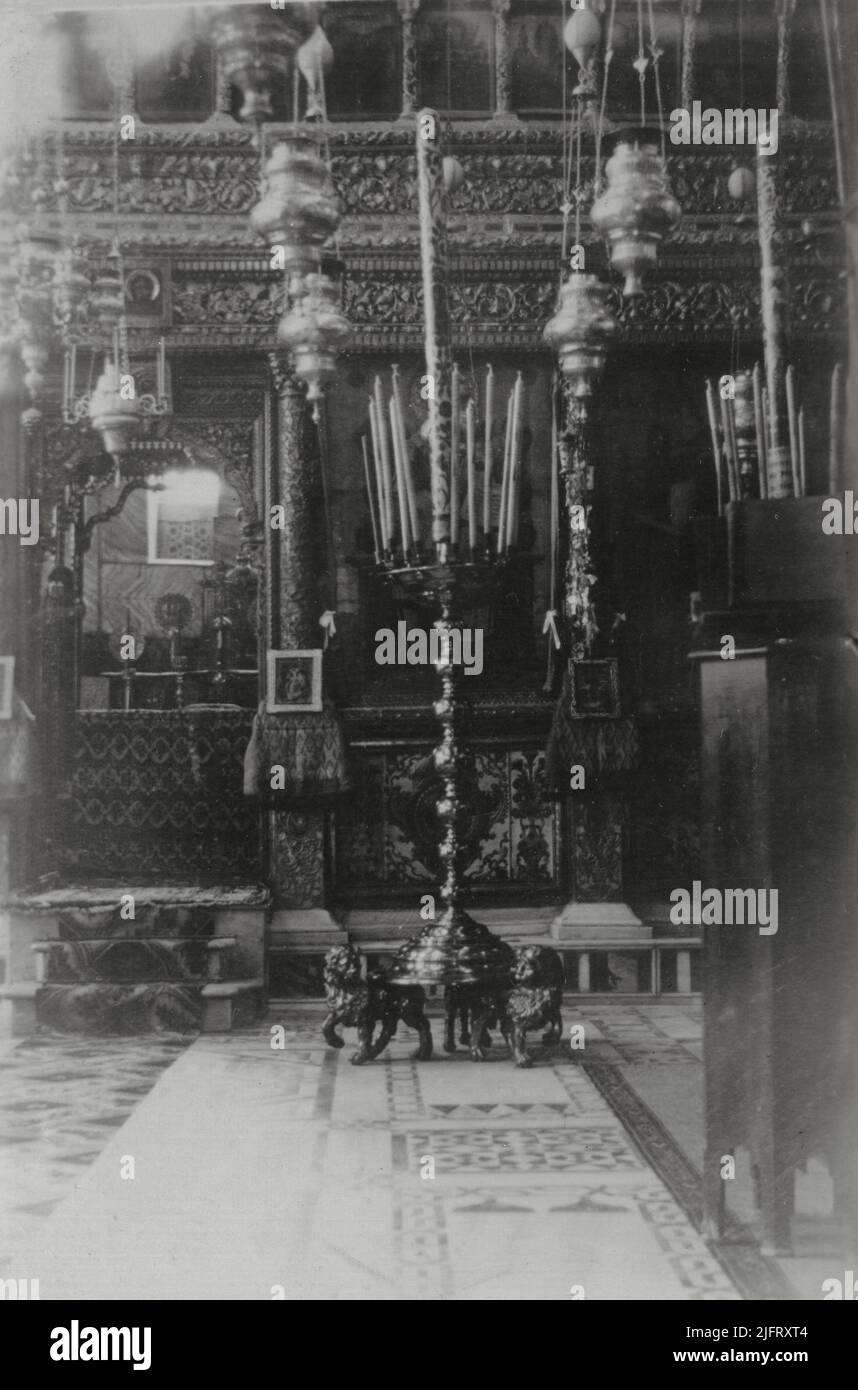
(324, 469)
(656, 53)
(609, 53)
(641, 63)
(832, 91)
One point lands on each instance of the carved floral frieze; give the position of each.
(508, 171)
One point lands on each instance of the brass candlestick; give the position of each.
(453, 949)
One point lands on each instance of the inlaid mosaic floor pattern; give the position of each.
(264, 1171)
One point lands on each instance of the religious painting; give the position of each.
(595, 688)
(294, 682)
(455, 53)
(147, 295)
(7, 685)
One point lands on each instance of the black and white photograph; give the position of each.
(294, 681)
(429, 716)
(7, 685)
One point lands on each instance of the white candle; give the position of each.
(802, 459)
(379, 476)
(792, 415)
(760, 427)
(381, 422)
(369, 499)
(400, 426)
(835, 417)
(66, 377)
(454, 455)
(487, 456)
(732, 469)
(716, 445)
(507, 457)
(400, 479)
(515, 465)
(555, 507)
(470, 442)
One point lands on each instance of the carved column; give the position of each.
(296, 619)
(408, 14)
(774, 279)
(784, 10)
(222, 114)
(120, 70)
(774, 298)
(690, 14)
(297, 823)
(503, 100)
(576, 471)
(601, 745)
(10, 552)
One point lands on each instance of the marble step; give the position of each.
(135, 961)
(150, 1007)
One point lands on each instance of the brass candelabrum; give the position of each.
(452, 949)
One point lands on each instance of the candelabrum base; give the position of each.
(452, 950)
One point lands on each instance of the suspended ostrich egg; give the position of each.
(581, 35)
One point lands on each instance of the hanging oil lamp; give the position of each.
(637, 209)
(115, 414)
(108, 297)
(255, 46)
(580, 331)
(315, 329)
(299, 210)
(70, 285)
(37, 253)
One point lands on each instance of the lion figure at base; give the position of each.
(534, 1001)
(529, 996)
(359, 1003)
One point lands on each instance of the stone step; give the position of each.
(124, 961)
(154, 1006)
(402, 923)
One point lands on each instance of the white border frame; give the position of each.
(271, 705)
(152, 495)
(7, 692)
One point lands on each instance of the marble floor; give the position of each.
(262, 1171)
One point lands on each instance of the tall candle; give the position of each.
(470, 441)
(73, 374)
(716, 445)
(507, 458)
(66, 378)
(384, 501)
(793, 429)
(734, 448)
(802, 458)
(454, 455)
(400, 478)
(760, 428)
(555, 508)
(400, 426)
(732, 469)
(487, 455)
(515, 466)
(835, 429)
(381, 420)
(375, 537)
(161, 388)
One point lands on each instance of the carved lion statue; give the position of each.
(359, 1003)
(534, 1001)
(530, 996)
